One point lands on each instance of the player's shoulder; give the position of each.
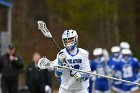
(134, 59)
(83, 51)
(62, 51)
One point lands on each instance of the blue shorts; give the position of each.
(116, 87)
(102, 85)
(90, 85)
(128, 87)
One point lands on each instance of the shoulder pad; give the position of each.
(61, 51)
(135, 59)
(84, 51)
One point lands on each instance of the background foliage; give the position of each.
(99, 23)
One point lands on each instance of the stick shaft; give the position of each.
(54, 42)
(46, 32)
(87, 72)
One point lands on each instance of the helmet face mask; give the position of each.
(126, 54)
(116, 54)
(116, 51)
(126, 57)
(70, 39)
(98, 53)
(98, 58)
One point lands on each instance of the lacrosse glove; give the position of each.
(62, 62)
(79, 76)
(62, 59)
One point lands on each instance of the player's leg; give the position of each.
(90, 85)
(106, 86)
(108, 91)
(129, 88)
(125, 88)
(134, 88)
(62, 90)
(99, 86)
(81, 91)
(116, 88)
(98, 91)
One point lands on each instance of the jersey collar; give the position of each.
(72, 54)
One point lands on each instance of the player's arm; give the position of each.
(57, 70)
(137, 68)
(60, 60)
(116, 70)
(79, 76)
(85, 66)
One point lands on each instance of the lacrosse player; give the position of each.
(126, 45)
(114, 59)
(98, 64)
(73, 57)
(128, 66)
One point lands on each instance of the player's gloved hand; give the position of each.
(62, 59)
(79, 76)
(76, 75)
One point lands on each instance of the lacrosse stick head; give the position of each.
(43, 63)
(44, 29)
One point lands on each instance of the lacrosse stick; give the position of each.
(44, 63)
(46, 32)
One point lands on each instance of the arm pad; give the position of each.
(58, 73)
(84, 77)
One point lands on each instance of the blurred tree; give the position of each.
(100, 23)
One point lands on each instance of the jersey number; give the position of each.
(127, 72)
(76, 66)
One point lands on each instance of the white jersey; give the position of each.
(78, 61)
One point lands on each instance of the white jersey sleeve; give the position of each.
(86, 64)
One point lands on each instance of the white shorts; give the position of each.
(62, 90)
